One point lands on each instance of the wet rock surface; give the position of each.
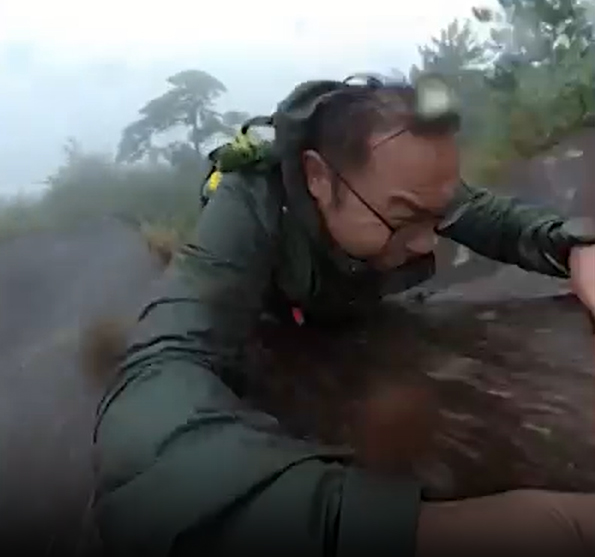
(502, 362)
(487, 385)
(497, 395)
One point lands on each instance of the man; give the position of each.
(344, 210)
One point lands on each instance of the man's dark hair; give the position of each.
(342, 125)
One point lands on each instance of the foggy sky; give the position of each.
(83, 69)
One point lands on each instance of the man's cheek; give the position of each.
(365, 242)
(422, 243)
(582, 270)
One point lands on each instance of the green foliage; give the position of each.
(459, 55)
(19, 214)
(543, 30)
(543, 81)
(189, 105)
(524, 88)
(455, 51)
(160, 191)
(91, 185)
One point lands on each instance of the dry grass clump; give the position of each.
(102, 345)
(163, 241)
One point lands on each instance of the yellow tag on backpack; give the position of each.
(237, 153)
(213, 181)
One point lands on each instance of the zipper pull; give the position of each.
(298, 316)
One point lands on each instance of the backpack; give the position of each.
(243, 150)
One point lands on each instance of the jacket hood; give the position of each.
(291, 121)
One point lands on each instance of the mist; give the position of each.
(69, 70)
(42, 105)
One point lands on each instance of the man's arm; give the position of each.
(509, 231)
(184, 466)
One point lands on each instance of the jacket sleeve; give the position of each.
(184, 467)
(509, 231)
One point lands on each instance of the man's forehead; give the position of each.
(400, 137)
(405, 153)
(414, 171)
(380, 138)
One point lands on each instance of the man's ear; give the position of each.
(319, 178)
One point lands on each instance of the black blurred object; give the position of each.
(435, 103)
(591, 319)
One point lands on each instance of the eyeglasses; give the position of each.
(435, 111)
(392, 230)
(362, 199)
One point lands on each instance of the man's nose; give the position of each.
(422, 244)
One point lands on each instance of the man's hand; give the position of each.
(582, 275)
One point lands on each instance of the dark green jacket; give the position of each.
(184, 466)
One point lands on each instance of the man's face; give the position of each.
(387, 210)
